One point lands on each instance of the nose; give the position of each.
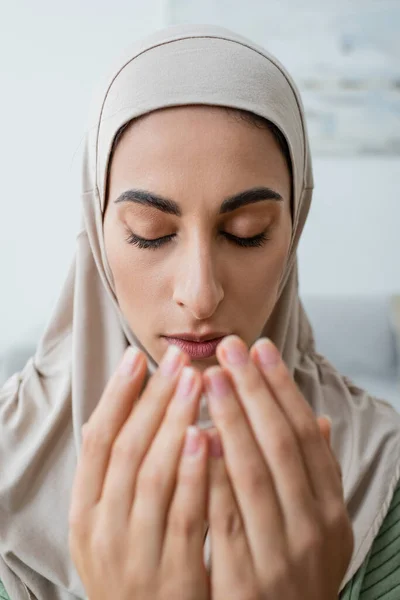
(197, 287)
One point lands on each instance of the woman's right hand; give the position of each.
(138, 502)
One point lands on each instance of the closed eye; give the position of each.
(248, 242)
(145, 243)
(255, 241)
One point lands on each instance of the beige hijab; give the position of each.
(43, 407)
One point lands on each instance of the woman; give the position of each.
(196, 187)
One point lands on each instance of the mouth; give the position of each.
(197, 347)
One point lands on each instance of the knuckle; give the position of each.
(106, 540)
(281, 447)
(94, 440)
(338, 525)
(183, 526)
(78, 535)
(173, 585)
(103, 548)
(228, 524)
(279, 570)
(80, 519)
(253, 479)
(245, 591)
(249, 595)
(77, 521)
(123, 450)
(150, 480)
(308, 432)
(312, 539)
(337, 521)
(335, 516)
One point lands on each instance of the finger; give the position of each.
(183, 545)
(325, 429)
(271, 429)
(314, 450)
(247, 469)
(137, 434)
(231, 562)
(325, 426)
(103, 426)
(157, 475)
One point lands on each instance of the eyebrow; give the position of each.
(166, 205)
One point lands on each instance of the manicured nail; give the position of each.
(268, 354)
(129, 361)
(217, 384)
(171, 361)
(235, 351)
(192, 441)
(186, 382)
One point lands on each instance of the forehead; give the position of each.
(197, 125)
(197, 146)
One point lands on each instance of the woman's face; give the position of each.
(187, 186)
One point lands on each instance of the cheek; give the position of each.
(262, 276)
(133, 286)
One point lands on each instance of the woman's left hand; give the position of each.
(278, 521)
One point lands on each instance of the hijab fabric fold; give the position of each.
(43, 408)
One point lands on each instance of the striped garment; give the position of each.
(378, 578)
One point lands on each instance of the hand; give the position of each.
(278, 521)
(138, 502)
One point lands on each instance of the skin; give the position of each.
(271, 488)
(196, 156)
(264, 477)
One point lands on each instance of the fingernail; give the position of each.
(327, 418)
(235, 351)
(192, 441)
(129, 361)
(171, 361)
(186, 382)
(217, 384)
(268, 354)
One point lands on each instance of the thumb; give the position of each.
(325, 424)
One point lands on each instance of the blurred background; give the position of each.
(345, 57)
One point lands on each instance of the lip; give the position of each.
(194, 337)
(196, 350)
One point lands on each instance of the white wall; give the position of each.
(351, 242)
(51, 57)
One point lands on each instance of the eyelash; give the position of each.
(255, 241)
